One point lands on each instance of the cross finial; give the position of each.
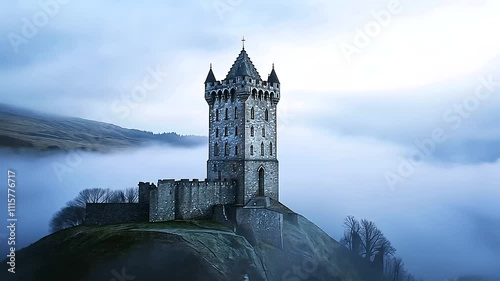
(243, 41)
(210, 65)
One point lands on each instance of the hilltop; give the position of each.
(188, 250)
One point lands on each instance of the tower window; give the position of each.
(271, 148)
(217, 115)
(227, 114)
(235, 113)
(215, 167)
(236, 131)
(263, 132)
(216, 132)
(234, 167)
(251, 150)
(252, 113)
(262, 149)
(216, 149)
(266, 115)
(236, 150)
(226, 132)
(226, 149)
(251, 131)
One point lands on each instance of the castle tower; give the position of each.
(243, 129)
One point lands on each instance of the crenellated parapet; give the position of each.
(188, 199)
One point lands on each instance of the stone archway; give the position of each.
(261, 181)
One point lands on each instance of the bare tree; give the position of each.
(373, 240)
(91, 195)
(131, 195)
(117, 196)
(73, 213)
(68, 216)
(394, 269)
(351, 237)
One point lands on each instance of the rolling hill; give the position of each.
(21, 128)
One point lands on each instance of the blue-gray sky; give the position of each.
(353, 123)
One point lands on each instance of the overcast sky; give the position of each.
(402, 97)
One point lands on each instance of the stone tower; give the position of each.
(243, 129)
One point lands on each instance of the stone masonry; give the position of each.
(242, 167)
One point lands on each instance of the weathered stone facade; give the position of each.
(185, 199)
(243, 130)
(113, 213)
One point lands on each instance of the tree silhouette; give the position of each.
(73, 213)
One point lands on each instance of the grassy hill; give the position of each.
(22, 128)
(194, 250)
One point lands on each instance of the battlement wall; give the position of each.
(113, 213)
(188, 199)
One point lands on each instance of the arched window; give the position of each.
(271, 148)
(215, 167)
(252, 113)
(235, 131)
(263, 132)
(262, 149)
(227, 114)
(236, 150)
(226, 132)
(234, 168)
(235, 113)
(216, 149)
(217, 115)
(251, 131)
(216, 132)
(266, 115)
(226, 149)
(251, 150)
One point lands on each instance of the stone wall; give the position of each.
(185, 199)
(267, 225)
(112, 213)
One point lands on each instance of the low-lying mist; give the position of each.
(443, 219)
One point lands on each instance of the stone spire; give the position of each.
(243, 66)
(273, 78)
(210, 76)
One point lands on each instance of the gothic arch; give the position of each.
(252, 113)
(226, 95)
(261, 172)
(226, 149)
(251, 150)
(266, 115)
(272, 95)
(219, 95)
(260, 94)
(233, 94)
(271, 148)
(213, 96)
(251, 131)
(254, 93)
(262, 149)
